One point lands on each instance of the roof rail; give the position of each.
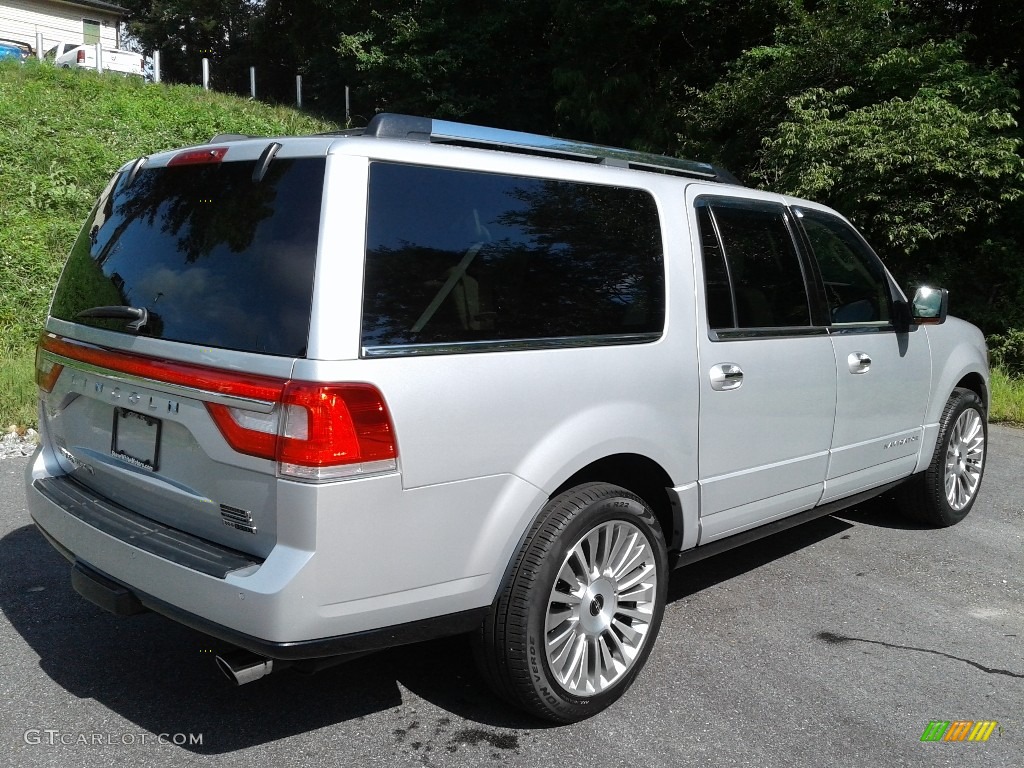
(392, 126)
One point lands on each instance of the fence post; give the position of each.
(99, 57)
(348, 111)
(252, 82)
(156, 66)
(39, 45)
(298, 91)
(206, 74)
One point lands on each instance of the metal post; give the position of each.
(99, 57)
(348, 111)
(39, 45)
(156, 66)
(206, 74)
(298, 91)
(252, 82)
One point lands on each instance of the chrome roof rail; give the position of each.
(392, 126)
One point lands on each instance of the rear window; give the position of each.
(461, 257)
(216, 258)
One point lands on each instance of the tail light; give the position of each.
(80, 56)
(315, 431)
(47, 371)
(318, 431)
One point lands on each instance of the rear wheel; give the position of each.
(944, 493)
(582, 606)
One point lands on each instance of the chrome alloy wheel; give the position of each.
(600, 609)
(965, 458)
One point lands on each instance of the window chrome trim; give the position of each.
(744, 334)
(507, 345)
(858, 329)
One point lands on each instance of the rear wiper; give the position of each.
(139, 316)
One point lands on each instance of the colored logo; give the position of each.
(959, 730)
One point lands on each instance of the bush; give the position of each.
(1006, 351)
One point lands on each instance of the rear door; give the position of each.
(768, 377)
(884, 372)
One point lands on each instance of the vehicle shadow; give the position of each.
(882, 512)
(162, 676)
(702, 574)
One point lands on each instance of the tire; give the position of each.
(560, 641)
(944, 493)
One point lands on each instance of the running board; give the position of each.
(768, 529)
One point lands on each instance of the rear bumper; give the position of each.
(120, 600)
(364, 565)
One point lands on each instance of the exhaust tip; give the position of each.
(241, 667)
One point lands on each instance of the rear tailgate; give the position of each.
(206, 268)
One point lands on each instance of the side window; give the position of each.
(90, 32)
(856, 285)
(459, 256)
(721, 311)
(752, 273)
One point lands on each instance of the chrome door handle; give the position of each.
(726, 376)
(859, 362)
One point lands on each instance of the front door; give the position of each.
(883, 372)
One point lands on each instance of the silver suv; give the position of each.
(314, 396)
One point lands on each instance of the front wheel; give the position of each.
(582, 606)
(944, 493)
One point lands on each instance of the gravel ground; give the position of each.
(13, 444)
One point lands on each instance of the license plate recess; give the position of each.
(135, 437)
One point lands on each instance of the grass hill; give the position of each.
(63, 133)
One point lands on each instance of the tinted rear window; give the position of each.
(458, 256)
(216, 258)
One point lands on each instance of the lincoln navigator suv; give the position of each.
(319, 395)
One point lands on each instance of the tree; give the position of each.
(853, 105)
(454, 59)
(621, 68)
(187, 31)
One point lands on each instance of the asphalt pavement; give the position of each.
(832, 644)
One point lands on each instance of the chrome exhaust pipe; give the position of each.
(241, 667)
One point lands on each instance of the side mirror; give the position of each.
(930, 305)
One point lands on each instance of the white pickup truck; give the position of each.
(83, 56)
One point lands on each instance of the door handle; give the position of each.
(726, 376)
(859, 362)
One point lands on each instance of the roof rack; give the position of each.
(410, 128)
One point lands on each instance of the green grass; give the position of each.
(1007, 398)
(17, 390)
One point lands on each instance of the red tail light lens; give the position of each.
(199, 156)
(334, 430)
(316, 431)
(319, 431)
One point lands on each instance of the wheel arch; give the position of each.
(974, 382)
(640, 475)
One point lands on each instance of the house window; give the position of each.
(90, 31)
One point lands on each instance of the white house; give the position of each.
(82, 21)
